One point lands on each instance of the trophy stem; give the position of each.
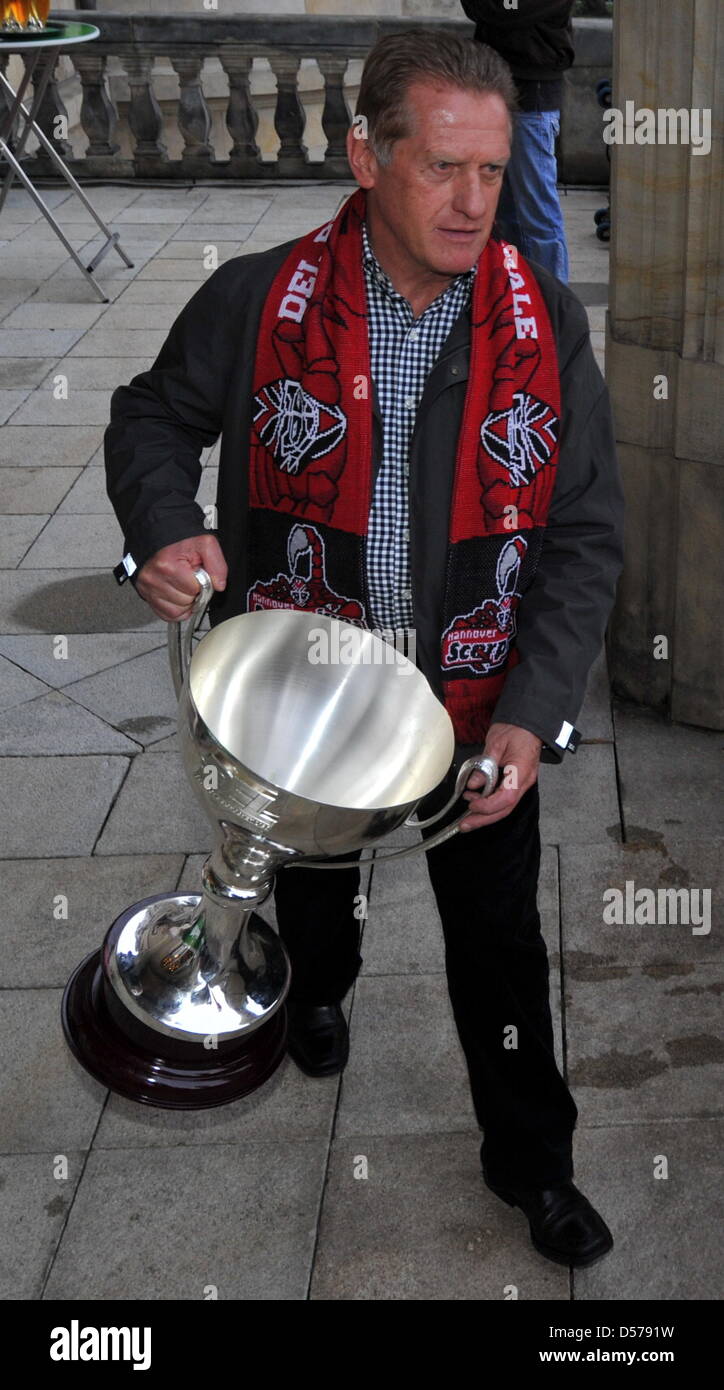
(225, 911)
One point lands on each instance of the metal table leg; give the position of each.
(16, 169)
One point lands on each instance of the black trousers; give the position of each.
(485, 884)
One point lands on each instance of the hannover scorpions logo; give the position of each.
(309, 592)
(480, 640)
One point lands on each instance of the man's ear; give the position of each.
(362, 161)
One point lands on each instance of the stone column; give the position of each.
(665, 360)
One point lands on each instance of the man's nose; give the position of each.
(470, 197)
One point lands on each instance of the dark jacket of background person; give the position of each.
(200, 386)
(536, 40)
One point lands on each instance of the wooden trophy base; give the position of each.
(149, 1067)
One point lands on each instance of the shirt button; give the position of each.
(414, 332)
(405, 534)
(407, 593)
(409, 402)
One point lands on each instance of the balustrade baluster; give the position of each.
(98, 115)
(144, 116)
(336, 117)
(289, 114)
(194, 117)
(242, 119)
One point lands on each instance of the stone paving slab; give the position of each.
(156, 811)
(106, 341)
(65, 537)
(15, 291)
(191, 241)
(10, 400)
(589, 872)
(579, 801)
(288, 1106)
(72, 601)
(182, 199)
(406, 1072)
(29, 446)
(672, 775)
(238, 210)
(124, 314)
(48, 1101)
(33, 315)
(27, 491)
(594, 720)
(99, 373)
(64, 288)
(421, 1225)
(56, 724)
(84, 654)
(17, 533)
(17, 686)
(135, 213)
(136, 697)
(667, 1230)
(79, 407)
(239, 1217)
(40, 949)
(33, 1209)
(644, 1042)
(54, 806)
(208, 486)
(227, 235)
(157, 292)
(190, 269)
(21, 372)
(88, 496)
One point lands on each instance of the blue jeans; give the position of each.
(529, 211)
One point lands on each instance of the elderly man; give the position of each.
(414, 434)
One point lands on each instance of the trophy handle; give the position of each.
(489, 769)
(477, 763)
(180, 635)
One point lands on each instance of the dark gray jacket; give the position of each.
(200, 387)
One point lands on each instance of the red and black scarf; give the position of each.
(310, 475)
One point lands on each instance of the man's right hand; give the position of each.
(167, 581)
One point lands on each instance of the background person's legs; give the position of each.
(485, 884)
(529, 212)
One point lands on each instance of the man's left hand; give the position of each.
(517, 753)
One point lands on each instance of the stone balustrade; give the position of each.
(130, 138)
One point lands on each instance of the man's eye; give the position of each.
(443, 164)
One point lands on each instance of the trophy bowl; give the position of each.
(303, 737)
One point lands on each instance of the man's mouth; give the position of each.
(459, 233)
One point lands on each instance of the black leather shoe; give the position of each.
(318, 1038)
(563, 1225)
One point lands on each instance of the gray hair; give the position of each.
(398, 60)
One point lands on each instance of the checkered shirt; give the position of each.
(402, 351)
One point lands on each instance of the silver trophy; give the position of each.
(294, 759)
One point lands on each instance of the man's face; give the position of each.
(437, 198)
